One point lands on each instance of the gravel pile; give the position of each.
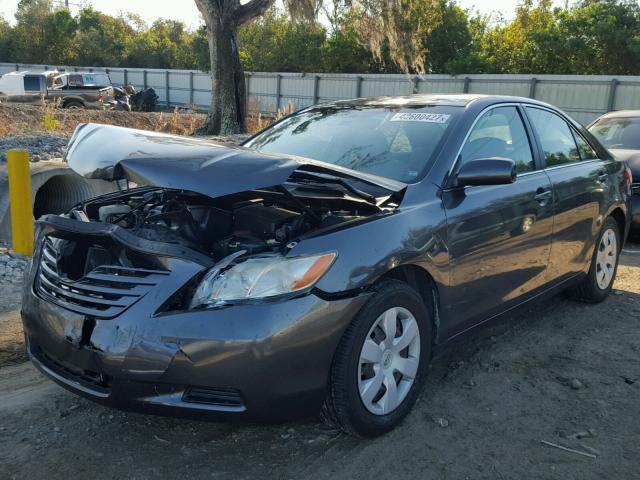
(41, 147)
(12, 267)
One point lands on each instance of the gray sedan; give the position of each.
(318, 268)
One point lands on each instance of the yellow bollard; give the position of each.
(20, 201)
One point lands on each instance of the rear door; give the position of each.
(499, 236)
(580, 182)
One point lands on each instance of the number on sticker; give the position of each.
(420, 117)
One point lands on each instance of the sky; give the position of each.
(186, 11)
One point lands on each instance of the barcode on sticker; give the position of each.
(420, 117)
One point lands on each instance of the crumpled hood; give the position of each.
(632, 157)
(157, 159)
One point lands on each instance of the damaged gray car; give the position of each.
(318, 267)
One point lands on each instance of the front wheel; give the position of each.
(380, 363)
(598, 283)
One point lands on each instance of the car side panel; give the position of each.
(88, 97)
(582, 194)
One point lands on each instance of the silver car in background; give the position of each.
(619, 132)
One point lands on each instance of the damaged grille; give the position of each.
(104, 292)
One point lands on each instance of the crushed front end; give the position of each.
(113, 306)
(183, 293)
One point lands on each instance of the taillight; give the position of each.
(100, 97)
(628, 175)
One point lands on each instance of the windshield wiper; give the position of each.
(343, 182)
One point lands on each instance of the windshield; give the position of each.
(618, 133)
(392, 142)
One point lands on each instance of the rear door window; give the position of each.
(500, 133)
(556, 138)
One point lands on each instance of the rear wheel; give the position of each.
(599, 281)
(380, 363)
(73, 105)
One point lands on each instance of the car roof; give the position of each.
(423, 99)
(622, 114)
(63, 74)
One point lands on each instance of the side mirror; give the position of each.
(487, 171)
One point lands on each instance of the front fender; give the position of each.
(413, 235)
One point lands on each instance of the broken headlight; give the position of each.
(261, 277)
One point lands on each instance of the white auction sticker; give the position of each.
(420, 117)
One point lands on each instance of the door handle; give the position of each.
(542, 196)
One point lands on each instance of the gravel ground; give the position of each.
(561, 372)
(41, 147)
(12, 266)
(52, 146)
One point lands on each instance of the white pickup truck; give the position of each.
(72, 90)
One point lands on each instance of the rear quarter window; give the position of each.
(584, 149)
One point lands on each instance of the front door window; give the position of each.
(500, 133)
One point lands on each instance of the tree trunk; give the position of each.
(228, 107)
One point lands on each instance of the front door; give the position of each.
(499, 237)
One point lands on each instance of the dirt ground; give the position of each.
(18, 119)
(561, 372)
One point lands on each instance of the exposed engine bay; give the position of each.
(254, 222)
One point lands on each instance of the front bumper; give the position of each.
(265, 361)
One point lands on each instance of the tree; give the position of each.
(453, 45)
(386, 27)
(59, 31)
(594, 37)
(102, 39)
(275, 43)
(167, 44)
(512, 48)
(5, 40)
(222, 19)
(591, 37)
(29, 32)
(344, 51)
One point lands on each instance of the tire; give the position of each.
(73, 105)
(345, 407)
(594, 288)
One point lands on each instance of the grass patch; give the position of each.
(48, 115)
